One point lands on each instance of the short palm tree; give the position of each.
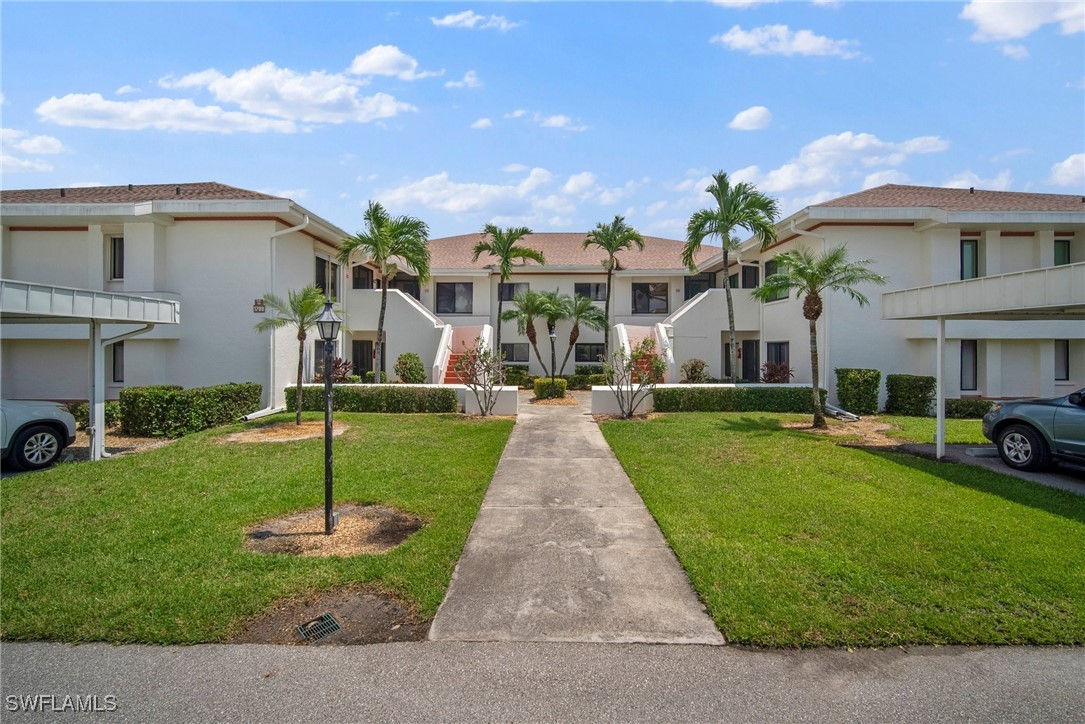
(583, 311)
(810, 275)
(612, 238)
(385, 241)
(738, 205)
(555, 307)
(300, 312)
(503, 247)
(529, 307)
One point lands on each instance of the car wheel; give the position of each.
(36, 447)
(1021, 447)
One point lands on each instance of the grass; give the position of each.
(148, 548)
(792, 540)
(921, 430)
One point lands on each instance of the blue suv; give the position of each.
(1031, 434)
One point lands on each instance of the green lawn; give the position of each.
(921, 429)
(148, 547)
(793, 540)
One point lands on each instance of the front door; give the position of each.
(751, 359)
(361, 351)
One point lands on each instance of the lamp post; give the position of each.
(552, 329)
(328, 324)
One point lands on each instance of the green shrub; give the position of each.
(371, 375)
(910, 395)
(578, 382)
(733, 399)
(81, 412)
(170, 411)
(694, 371)
(589, 369)
(598, 380)
(354, 379)
(857, 389)
(546, 389)
(409, 369)
(968, 409)
(382, 398)
(515, 374)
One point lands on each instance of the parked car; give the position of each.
(34, 433)
(1031, 434)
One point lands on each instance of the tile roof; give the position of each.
(208, 191)
(895, 196)
(563, 249)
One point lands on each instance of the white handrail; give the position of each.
(444, 350)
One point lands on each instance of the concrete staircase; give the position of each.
(451, 378)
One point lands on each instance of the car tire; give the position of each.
(36, 447)
(1023, 448)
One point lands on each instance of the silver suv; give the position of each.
(1031, 434)
(34, 433)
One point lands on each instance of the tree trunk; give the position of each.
(606, 313)
(301, 370)
(819, 414)
(573, 337)
(731, 351)
(379, 348)
(533, 338)
(553, 354)
(497, 344)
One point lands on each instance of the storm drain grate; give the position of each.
(319, 627)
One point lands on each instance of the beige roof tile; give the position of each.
(209, 191)
(895, 196)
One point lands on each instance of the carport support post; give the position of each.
(939, 392)
(96, 423)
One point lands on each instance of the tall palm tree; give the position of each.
(810, 275)
(738, 205)
(299, 311)
(385, 240)
(502, 246)
(583, 311)
(529, 307)
(612, 238)
(555, 307)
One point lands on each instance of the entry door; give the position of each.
(751, 359)
(362, 356)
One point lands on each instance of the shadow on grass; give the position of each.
(756, 426)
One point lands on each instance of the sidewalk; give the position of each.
(565, 550)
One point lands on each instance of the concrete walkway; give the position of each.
(564, 549)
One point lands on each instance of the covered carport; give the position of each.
(29, 303)
(1052, 293)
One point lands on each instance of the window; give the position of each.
(1062, 252)
(751, 277)
(327, 277)
(318, 356)
(362, 277)
(969, 365)
(515, 351)
(588, 352)
(778, 352)
(118, 362)
(732, 281)
(773, 267)
(116, 257)
(697, 284)
(454, 297)
(407, 285)
(650, 298)
(597, 292)
(969, 258)
(1062, 360)
(507, 290)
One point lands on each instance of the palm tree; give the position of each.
(300, 311)
(555, 307)
(583, 311)
(502, 246)
(386, 240)
(739, 205)
(529, 307)
(810, 275)
(612, 238)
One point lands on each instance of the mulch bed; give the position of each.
(362, 529)
(284, 432)
(555, 401)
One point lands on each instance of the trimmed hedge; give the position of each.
(169, 411)
(546, 389)
(371, 376)
(409, 369)
(733, 399)
(598, 380)
(377, 398)
(910, 395)
(968, 409)
(578, 382)
(589, 369)
(857, 389)
(81, 412)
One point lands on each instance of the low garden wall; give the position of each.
(759, 397)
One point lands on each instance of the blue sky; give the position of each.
(553, 115)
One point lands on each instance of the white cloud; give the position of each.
(1016, 52)
(440, 193)
(998, 20)
(518, 113)
(293, 194)
(14, 141)
(388, 60)
(559, 121)
(828, 3)
(90, 110)
(579, 183)
(751, 119)
(473, 21)
(1070, 172)
(125, 90)
(515, 168)
(880, 178)
(968, 179)
(482, 123)
(782, 40)
(470, 80)
(1080, 84)
(741, 4)
(656, 207)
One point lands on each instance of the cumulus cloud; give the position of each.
(482, 123)
(441, 193)
(91, 110)
(559, 121)
(741, 4)
(14, 144)
(995, 20)
(1016, 52)
(968, 179)
(470, 80)
(293, 194)
(388, 60)
(751, 119)
(888, 176)
(1070, 172)
(782, 40)
(514, 168)
(126, 90)
(471, 20)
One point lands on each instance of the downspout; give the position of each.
(827, 316)
(271, 409)
(96, 426)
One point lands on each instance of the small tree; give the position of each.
(502, 246)
(632, 375)
(694, 371)
(300, 312)
(555, 307)
(612, 238)
(583, 311)
(409, 369)
(482, 370)
(530, 306)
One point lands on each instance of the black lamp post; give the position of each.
(328, 324)
(553, 354)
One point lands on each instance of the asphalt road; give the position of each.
(456, 681)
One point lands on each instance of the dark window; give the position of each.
(969, 365)
(507, 290)
(405, 284)
(116, 257)
(777, 353)
(595, 291)
(697, 284)
(1062, 252)
(732, 281)
(362, 355)
(118, 362)
(751, 277)
(588, 352)
(773, 267)
(1062, 359)
(515, 351)
(327, 278)
(969, 259)
(650, 298)
(318, 355)
(362, 277)
(454, 297)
